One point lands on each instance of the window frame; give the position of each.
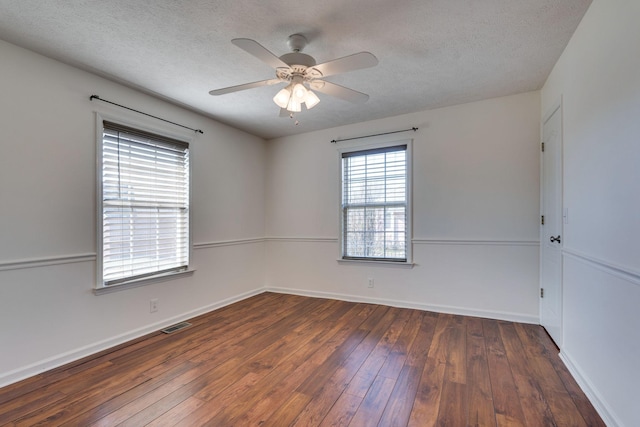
(144, 127)
(355, 147)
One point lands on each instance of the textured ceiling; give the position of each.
(432, 53)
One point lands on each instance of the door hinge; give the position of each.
(542, 146)
(542, 219)
(541, 292)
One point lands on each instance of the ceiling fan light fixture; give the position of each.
(299, 92)
(312, 100)
(294, 95)
(282, 98)
(302, 73)
(294, 106)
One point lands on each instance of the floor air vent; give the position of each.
(176, 327)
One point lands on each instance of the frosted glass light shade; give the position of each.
(282, 98)
(294, 106)
(299, 92)
(312, 100)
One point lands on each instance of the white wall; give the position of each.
(475, 212)
(48, 212)
(598, 79)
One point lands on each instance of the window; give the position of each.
(144, 203)
(375, 204)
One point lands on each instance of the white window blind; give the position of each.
(145, 204)
(374, 204)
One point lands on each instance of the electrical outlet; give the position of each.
(370, 282)
(153, 305)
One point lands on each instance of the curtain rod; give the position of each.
(92, 97)
(333, 141)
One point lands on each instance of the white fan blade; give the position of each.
(260, 52)
(245, 86)
(339, 91)
(353, 62)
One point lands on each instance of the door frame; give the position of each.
(555, 107)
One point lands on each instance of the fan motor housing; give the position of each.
(298, 58)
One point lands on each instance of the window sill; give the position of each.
(393, 264)
(142, 282)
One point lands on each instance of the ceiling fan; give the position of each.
(301, 73)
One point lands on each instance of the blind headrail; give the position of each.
(92, 97)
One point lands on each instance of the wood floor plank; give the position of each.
(142, 401)
(368, 372)
(282, 360)
(287, 413)
(20, 407)
(456, 351)
(346, 324)
(560, 401)
(257, 368)
(480, 402)
(399, 407)
(536, 336)
(263, 352)
(324, 363)
(221, 378)
(176, 399)
(34, 384)
(279, 385)
(374, 402)
(174, 415)
(508, 409)
(398, 355)
(342, 412)
(328, 367)
(335, 385)
(131, 396)
(452, 411)
(535, 406)
(429, 393)
(69, 407)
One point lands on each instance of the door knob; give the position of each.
(555, 239)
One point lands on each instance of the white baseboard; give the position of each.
(79, 353)
(592, 394)
(498, 315)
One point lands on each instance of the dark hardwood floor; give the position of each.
(280, 360)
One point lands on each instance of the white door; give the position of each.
(551, 229)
